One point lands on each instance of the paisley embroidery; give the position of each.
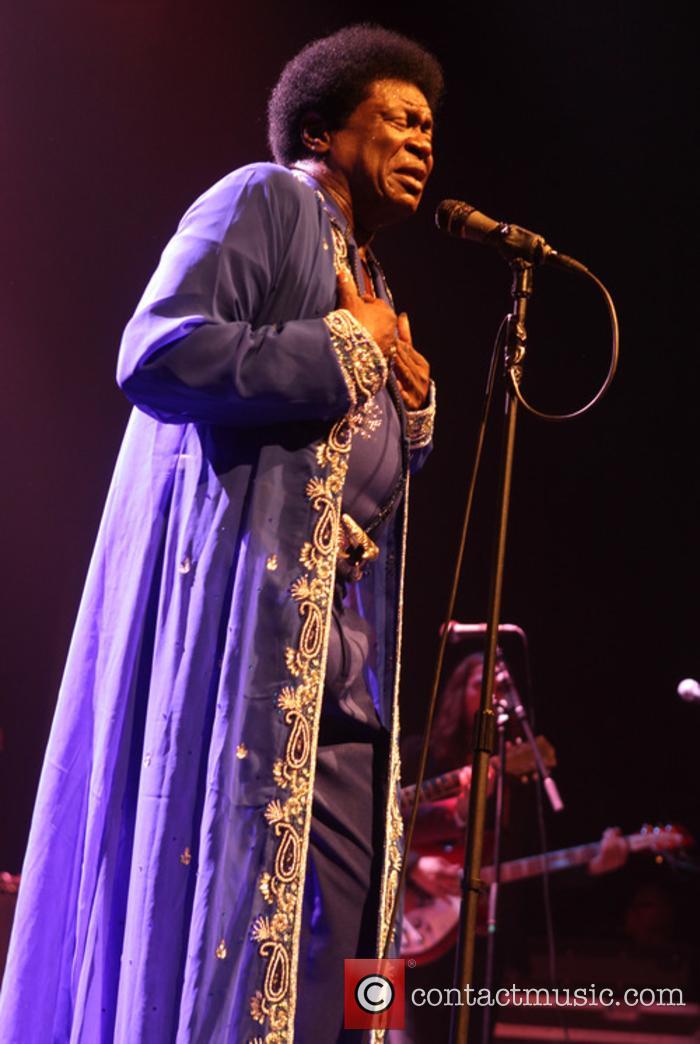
(300, 703)
(366, 419)
(341, 261)
(361, 361)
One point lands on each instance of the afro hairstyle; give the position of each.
(331, 76)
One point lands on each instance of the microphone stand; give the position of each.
(509, 706)
(547, 780)
(515, 344)
(492, 916)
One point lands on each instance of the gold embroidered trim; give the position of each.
(361, 361)
(394, 835)
(394, 821)
(341, 262)
(278, 932)
(420, 423)
(363, 365)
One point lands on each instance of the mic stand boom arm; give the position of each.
(484, 732)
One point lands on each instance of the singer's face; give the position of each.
(384, 153)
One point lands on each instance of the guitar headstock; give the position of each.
(520, 759)
(661, 838)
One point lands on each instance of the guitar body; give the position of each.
(431, 923)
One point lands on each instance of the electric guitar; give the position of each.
(430, 923)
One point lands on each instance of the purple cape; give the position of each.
(162, 887)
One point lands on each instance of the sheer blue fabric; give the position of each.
(141, 878)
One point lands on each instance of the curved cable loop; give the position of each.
(615, 356)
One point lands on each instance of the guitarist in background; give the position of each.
(444, 822)
(450, 749)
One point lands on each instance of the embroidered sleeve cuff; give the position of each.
(419, 424)
(363, 365)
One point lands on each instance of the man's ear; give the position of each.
(315, 134)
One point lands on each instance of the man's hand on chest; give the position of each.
(392, 334)
(412, 370)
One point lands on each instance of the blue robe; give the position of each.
(162, 888)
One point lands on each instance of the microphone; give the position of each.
(457, 631)
(465, 222)
(689, 690)
(504, 686)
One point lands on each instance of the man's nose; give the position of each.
(421, 146)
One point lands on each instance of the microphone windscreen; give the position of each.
(460, 219)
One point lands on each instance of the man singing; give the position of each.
(217, 827)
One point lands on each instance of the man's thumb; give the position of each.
(345, 285)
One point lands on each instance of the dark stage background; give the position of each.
(569, 118)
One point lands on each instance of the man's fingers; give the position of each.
(404, 328)
(407, 371)
(412, 373)
(373, 313)
(405, 358)
(347, 291)
(346, 288)
(406, 379)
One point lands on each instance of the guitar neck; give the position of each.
(551, 862)
(519, 761)
(442, 786)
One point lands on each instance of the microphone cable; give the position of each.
(614, 358)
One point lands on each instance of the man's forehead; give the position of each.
(400, 92)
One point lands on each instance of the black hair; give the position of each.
(331, 77)
(452, 729)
